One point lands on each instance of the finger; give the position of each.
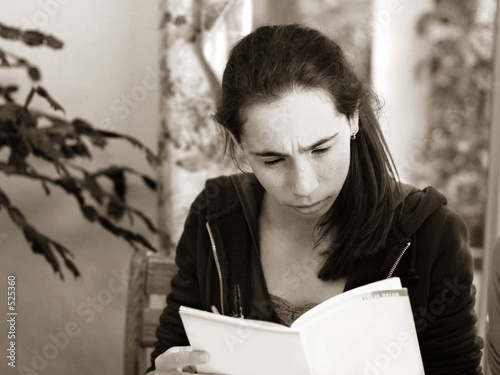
(184, 358)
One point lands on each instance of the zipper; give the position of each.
(217, 265)
(398, 260)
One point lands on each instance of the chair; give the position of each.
(149, 283)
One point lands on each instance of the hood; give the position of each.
(416, 206)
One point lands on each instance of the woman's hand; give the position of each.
(179, 360)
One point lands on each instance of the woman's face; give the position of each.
(299, 149)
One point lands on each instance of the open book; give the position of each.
(368, 331)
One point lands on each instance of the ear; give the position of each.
(354, 123)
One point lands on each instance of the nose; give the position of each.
(304, 180)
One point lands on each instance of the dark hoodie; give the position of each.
(218, 260)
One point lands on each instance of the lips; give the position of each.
(309, 205)
(310, 209)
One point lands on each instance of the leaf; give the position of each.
(117, 176)
(34, 73)
(9, 32)
(53, 42)
(44, 94)
(90, 184)
(45, 188)
(69, 184)
(151, 157)
(149, 182)
(89, 212)
(29, 233)
(81, 125)
(109, 226)
(72, 267)
(115, 210)
(6, 92)
(42, 246)
(144, 242)
(79, 149)
(41, 144)
(3, 59)
(96, 138)
(17, 160)
(29, 98)
(33, 38)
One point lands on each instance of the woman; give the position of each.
(322, 212)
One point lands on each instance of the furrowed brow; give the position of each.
(317, 144)
(268, 153)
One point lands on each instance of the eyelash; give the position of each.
(321, 150)
(317, 152)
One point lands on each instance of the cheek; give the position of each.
(336, 166)
(272, 179)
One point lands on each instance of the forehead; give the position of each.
(306, 114)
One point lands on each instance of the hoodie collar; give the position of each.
(413, 208)
(250, 193)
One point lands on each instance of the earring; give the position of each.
(353, 136)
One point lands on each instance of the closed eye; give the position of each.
(320, 151)
(273, 162)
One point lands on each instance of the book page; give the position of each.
(392, 283)
(371, 333)
(243, 346)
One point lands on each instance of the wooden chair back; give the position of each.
(149, 283)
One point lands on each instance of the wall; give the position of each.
(396, 52)
(106, 75)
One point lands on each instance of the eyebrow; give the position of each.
(268, 153)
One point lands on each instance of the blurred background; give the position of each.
(151, 70)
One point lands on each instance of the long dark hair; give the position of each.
(274, 60)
